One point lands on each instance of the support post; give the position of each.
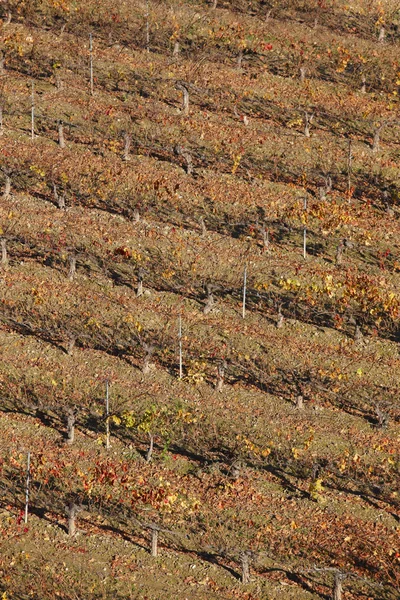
(4, 255)
(221, 368)
(61, 139)
(33, 112)
(72, 267)
(91, 63)
(305, 231)
(244, 291)
(28, 481)
(149, 452)
(154, 541)
(127, 145)
(108, 445)
(183, 87)
(338, 586)
(349, 169)
(245, 560)
(180, 347)
(7, 186)
(71, 418)
(147, 26)
(72, 510)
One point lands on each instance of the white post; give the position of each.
(28, 478)
(147, 26)
(33, 112)
(180, 347)
(305, 231)
(244, 291)
(107, 417)
(349, 168)
(91, 63)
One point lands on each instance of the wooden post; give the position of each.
(244, 292)
(7, 187)
(4, 256)
(91, 63)
(305, 231)
(149, 452)
(383, 418)
(179, 85)
(338, 586)
(154, 541)
(189, 162)
(245, 560)
(108, 445)
(180, 347)
(149, 349)
(60, 200)
(306, 126)
(71, 522)
(339, 253)
(71, 344)
(203, 226)
(328, 184)
(59, 83)
(155, 532)
(377, 138)
(28, 480)
(61, 140)
(139, 290)
(375, 143)
(70, 426)
(265, 238)
(307, 122)
(281, 319)
(72, 267)
(235, 469)
(176, 49)
(220, 375)
(358, 336)
(210, 300)
(127, 145)
(72, 510)
(33, 112)
(179, 151)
